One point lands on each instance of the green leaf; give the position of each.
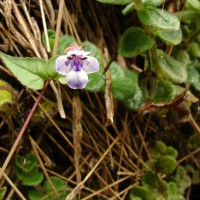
(134, 198)
(134, 41)
(31, 72)
(173, 37)
(51, 35)
(26, 163)
(51, 69)
(170, 151)
(160, 146)
(166, 164)
(2, 192)
(130, 7)
(176, 197)
(59, 185)
(124, 82)
(96, 80)
(169, 68)
(117, 2)
(134, 102)
(193, 4)
(139, 191)
(194, 50)
(153, 3)
(194, 142)
(64, 42)
(158, 18)
(157, 149)
(193, 76)
(6, 94)
(172, 188)
(150, 179)
(182, 56)
(189, 16)
(162, 91)
(33, 178)
(182, 179)
(34, 195)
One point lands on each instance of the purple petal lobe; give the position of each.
(77, 79)
(90, 65)
(63, 65)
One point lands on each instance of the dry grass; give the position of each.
(110, 159)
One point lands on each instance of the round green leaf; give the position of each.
(33, 178)
(158, 18)
(182, 56)
(124, 82)
(162, 91)
(130, 7)
(117, 2)
(169, 68)
(150, 179)
(173, 37)
(34, 195)
(134, 41)
(194, 49)
(182, 179)
(160, 146)
(59, 185)
(96, 80)
(166, 164)
(172, 188)
(139, 191)
(134, 102)
(64, 42)
(51, 69)
(26, 163)
(170, 151)
(5, 97)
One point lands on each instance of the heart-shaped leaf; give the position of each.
(31, 72)
(169, 36)
(33, 178)
(96, 80)
(26, 163)
(134, 41)
(158, 18)
(166, 164)
(169, 68)
(162, 91)
(124, 82)
(139, 191)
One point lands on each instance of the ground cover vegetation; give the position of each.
(119, 123)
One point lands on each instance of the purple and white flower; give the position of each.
(76, 64)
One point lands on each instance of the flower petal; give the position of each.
(63, 65)
(77, 79)
(90, 65)
(78, 52)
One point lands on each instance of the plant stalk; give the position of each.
(8, 158)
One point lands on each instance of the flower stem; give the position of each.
(8, 158)
(77, 131)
